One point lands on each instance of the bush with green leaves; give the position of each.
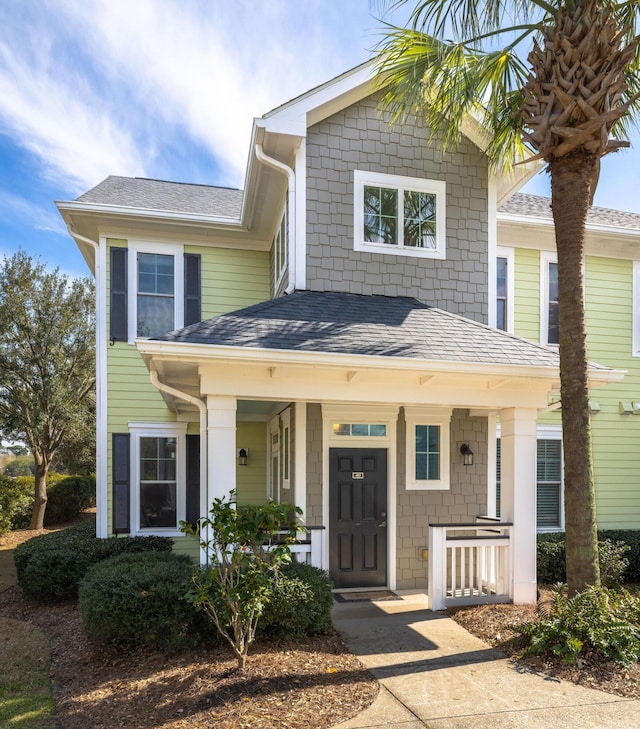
(299, 603)
(68, 498)
(599, 623)
(138, 600)
(16, 502)
(245, 547)
(51, 566)
(614, 559)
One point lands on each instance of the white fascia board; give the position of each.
(121, 210)
(206, 353)
(531, 221)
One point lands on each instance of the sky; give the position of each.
(168, 89)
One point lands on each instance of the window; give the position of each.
(427, 449)
(274, 451)
(157, 288)
(286, 449)
(280, 248)
(504, 289)
(158, 476)
(366, 430)
(549, 483)
(549, 326)
(549, 479)
(400, 215)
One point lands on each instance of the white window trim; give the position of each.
(635, 335)
(285, 453)
(553, 432)
(158, 430)
(438, 187)
(545, 259)
(509, 254)
(273, 489)
(167, 249)
(428, 416)
(278, 276)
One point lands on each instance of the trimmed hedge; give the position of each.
(137, 600)
(300, 602)
(68, 498)
(16, 503)
(619, 556)
(51, 566)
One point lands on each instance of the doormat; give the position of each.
(364, 596)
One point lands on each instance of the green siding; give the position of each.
(252, 479)
(231, 279)
(608, 298)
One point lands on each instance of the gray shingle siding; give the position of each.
(360, 138)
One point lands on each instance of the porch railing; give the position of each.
(470, 563)
(309, 548)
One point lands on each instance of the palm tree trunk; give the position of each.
(571, 187)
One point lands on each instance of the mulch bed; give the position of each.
(310, 684)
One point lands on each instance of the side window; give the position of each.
(399, 215)
(281, 248)
(427, 448)
(505, 293)
(549, 325)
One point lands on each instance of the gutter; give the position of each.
(291, 175)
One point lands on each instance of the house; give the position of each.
(322, 338)
(527, 302)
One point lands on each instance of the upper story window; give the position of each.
(153, 289)
(549, 324)
(399, 215)
(504, 289)
(281, 248)
(156, 294)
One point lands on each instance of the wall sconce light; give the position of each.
(243, 456)
(467, 455)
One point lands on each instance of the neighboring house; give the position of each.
(527, 304)
(323, 338)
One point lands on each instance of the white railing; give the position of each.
(470, 563)
(309, 547)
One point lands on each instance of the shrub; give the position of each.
(138, 600)
(631, 537)
(16, 502)
(68, 498)
(615, 565)
(299, 603)
(57, 580)
(598, 623)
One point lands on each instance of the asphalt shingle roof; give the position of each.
(354, 324)
(540, 207)
(175, 197)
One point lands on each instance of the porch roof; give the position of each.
(366, 325)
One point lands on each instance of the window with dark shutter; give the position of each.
(118, 310)
(193, 480)
(192, 297)
(121, 475)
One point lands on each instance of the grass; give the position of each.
(26, 701)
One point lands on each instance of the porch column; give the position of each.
(221, 440)
(518, 497)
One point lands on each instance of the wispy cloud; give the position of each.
(40, 217)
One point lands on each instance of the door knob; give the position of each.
(382, 524)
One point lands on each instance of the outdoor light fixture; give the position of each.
(243, 456)
(467, 454)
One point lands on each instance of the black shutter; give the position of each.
(193, 480)
(121, 475)
(192, 298)
(119, 313)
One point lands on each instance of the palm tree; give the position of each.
(569, 107)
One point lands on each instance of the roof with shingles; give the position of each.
(536, 206)
(174, 197)
(355, 324)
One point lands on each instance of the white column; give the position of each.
(221, 439)
(300, 458)
(518, 497)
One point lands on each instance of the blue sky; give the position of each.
(167, 89)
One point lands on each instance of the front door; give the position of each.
(358, 517)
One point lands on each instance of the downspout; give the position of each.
(155, 381)
(288, 171)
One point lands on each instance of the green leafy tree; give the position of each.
(245, 546)
(19, 466)
(555, 81)
(47, 362)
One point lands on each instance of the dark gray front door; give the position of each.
(358, 517)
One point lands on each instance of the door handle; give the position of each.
(382, 524)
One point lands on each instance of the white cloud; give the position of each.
(40, 217)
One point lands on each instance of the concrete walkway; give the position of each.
(435, 674)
